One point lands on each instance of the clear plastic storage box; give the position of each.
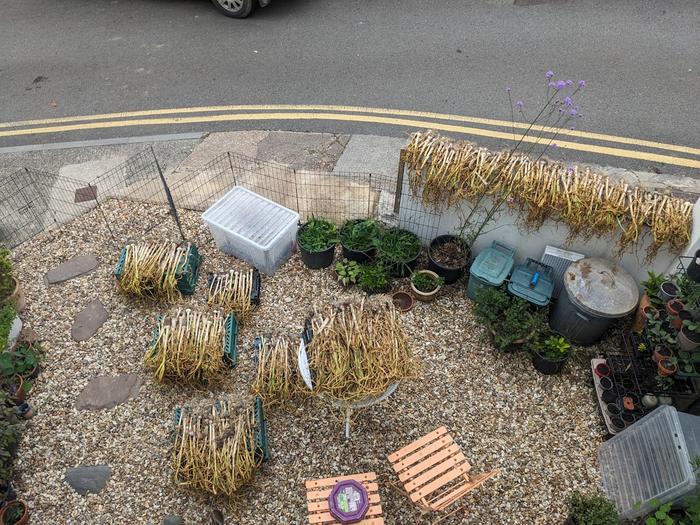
(650, 460)
(253, 228)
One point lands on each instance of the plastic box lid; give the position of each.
(522, 278)
(493, 264)
(246, 214)
(650, 460)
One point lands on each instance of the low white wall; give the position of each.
(532, 243)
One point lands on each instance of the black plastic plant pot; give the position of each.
(617, 423)
(548, 366)
(317, 260)
(606, 383)
(357, 255)
(608, 396)
(628, 418)
(613, 409)
(449, 272)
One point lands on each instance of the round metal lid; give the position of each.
(601, 287)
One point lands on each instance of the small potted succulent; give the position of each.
(510, 321)
(374, 278)
(425, 285)
(316, 240)
(448, 256)
(359, 239)
(15, 512)
(399, 250)
(549, 355)
(348, 272)
(591, 509)
(689, 335)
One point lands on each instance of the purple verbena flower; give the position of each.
(569, 82)
(554, 145)
(581, 83)
(508, 89)
(561, 84)
(519, 104)
(549, 74)
(568, 101)
(551, 84)
(573, 112)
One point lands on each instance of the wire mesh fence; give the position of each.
(33, 202)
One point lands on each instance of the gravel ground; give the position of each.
(541, 431)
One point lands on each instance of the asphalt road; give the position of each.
(641, 61)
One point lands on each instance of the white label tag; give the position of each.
(304, 369)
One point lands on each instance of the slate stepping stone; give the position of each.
(90, 479)
(89, 321)
(72, 268)
(108, 391)
(173, 520)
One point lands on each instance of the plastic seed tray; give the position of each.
(187, 271)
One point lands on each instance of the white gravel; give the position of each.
(541, 431)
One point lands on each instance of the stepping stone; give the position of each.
(71, 269)
(89, 321)
(173, 520)
(108, 391)
(88, 479)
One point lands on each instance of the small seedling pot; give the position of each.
(403, 301)
(606, 383)
(617, 423)
(608, 396)
(613, 409)
(628, 418)
(667, 291)
(450, 274)
(426, 296)
(667, 367)
(602, 370)
(661, 352)
(25, 410)
(4, 512)
(631, 401)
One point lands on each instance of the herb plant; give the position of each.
(426, 283)
(658, 334)
(22, 361)
(7, 284)
(10, 430)
(553, 348)
(360, 235)
(399, 246)
(374, 278)
(592, 509)
(7, 317)
(348, 272)
(317, 235)
(651, 286)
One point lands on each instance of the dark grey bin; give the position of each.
(597, 291)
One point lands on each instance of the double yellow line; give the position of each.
(599, 143)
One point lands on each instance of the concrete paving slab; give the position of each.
(371, 154)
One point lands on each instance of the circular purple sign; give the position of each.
(348, 501)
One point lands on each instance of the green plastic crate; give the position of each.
(490, 268)
(260, 431)
(188, 270)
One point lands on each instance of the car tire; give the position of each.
(235, 8)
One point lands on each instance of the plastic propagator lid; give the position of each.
(601, 288)
(492, 266)
(348, 501)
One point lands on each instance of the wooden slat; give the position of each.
(326, 517)
(430, 461)
(451, 463)
(445, 441)
(394, 457)
(461, 490)
(372, 489)
(329, 482)
(322, 504)
(431, 487)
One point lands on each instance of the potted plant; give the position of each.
(549, 355)
(348, 272)
(448, 256)
(510, 321)
(402, 300)
(658, 334)
(374, 278)
(14, 513)
(667, 291)
(667, 367)
(673, 308)
(316, 240)
(10, 431)
(10, 289)
(689, 335)
(661, 352)
(359, 239)
(25, 360)
(399, 250)
(591, 509)
(425, 285)
(10, 326)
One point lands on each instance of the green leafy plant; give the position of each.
(348, 272)
(7, 284)
(553, 347)
(399, 246)
(10, 431)
(651, 286)
(7, 317)
(374, 278)
(360, 234)
(13, 515)
(317, 235)
(692, 324)
(689, 291)
(660, 514)
(592, 509)
(424, 282)
(23, 360)
(509, 319)
(658, 334)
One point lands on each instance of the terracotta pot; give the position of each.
(674, 307)
(15, 503)
(661, 352)
(402, 300)
(688, 340)
(640, 319)
(17, 297)
(667, 367)
(425, 296)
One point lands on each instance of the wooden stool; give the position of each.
(318, 490)
(435, 473)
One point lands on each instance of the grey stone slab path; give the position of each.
(89, 321)
(72, 268)
(173, 520)
(108, 391)
(88, 479)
